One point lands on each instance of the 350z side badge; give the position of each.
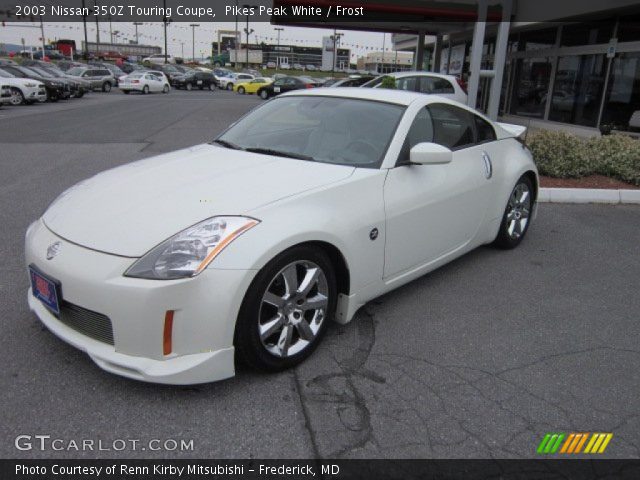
(53, 250)
(373, 234)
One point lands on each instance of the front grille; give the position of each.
(92, 324)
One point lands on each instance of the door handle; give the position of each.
(488, 167)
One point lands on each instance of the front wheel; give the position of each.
(517, 215)
(286, 310)
(189, 87)
(17, 98)
(106, 87)
(264, 94)
(241, 90)
(126, 92)
(229, 86)
(165, 89)
(212, 87)
(145, 89)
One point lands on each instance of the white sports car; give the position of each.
(170, 268)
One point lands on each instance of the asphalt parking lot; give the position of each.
(478, 359)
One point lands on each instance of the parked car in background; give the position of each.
(116, 71)
(5, 93)
(283, 85)
(98, 78)
(231, 80)
(285, 66)
(55, 90)
(447, 86)
(65, 65)
(23, 90)
(196, 79)
(77, 86)
(350, 82)
(159, 59)
(251, 86)
(128, 67)
(271, 65)
(169, 70)
(310, 67)
(144, 82)
(297, 66)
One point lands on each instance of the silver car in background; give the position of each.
(98, 78)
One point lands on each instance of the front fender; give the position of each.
(342, 214)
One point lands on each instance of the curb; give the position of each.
(588, 195)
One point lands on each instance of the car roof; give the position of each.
(415, 73)
(400, 97)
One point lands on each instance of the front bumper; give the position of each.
(35, 94)
(204, 320)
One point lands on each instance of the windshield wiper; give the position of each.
(279, 153)
(227, 144)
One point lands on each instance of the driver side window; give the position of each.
(421, 130)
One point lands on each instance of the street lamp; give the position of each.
(193, 40)
(136, 25)
(336, 39)
(248, 32)
(278, 29)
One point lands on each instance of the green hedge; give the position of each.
(562, 155)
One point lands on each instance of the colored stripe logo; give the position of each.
(573, 443)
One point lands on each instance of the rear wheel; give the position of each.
(229, 86)
(165, 89)
(286, 310)
(17, 98)
(126, 92)
(264, 94)
(52, 96)
(145, 89)
(189, 87)
(241, 90)
(212, 87)
(106, 87)
(517, 215)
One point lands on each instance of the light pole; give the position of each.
(95, 4)
(384, 39)
(135, 24)
(165, 20)
(110, 30)
(85, 50)
(278, 29)
(182, 48)
(336, 38)
(193, 40)
(248, 32)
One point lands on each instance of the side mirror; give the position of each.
(428, 153)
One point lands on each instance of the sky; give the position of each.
(150, 33)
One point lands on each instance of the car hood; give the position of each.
(19, 81)
(130, 209)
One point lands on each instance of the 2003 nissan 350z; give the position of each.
(170, 268)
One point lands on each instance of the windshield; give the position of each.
(76, 71)
(336, 130)
(5, 74)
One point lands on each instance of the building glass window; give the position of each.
(629, 29)
(577, 89)
(623, 93)
(539, 39)
(531, 84)
(591, 33)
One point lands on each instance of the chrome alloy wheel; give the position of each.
(293, 308)
(519, 210)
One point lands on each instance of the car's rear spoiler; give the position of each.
(515, 130)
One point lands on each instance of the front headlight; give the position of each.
(189, 252)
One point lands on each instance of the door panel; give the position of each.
(432, 210)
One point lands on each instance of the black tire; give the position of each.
(145, 89)
(17, 97)
(264, 94)
(241, 90)
(248, 346)
(229, 86)
(506, 239)
(106, 87)
(126, 92)
(200, 87)
(166, 89)
(212, 87)
(52, 97)
(189, 87)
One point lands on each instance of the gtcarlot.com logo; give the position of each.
(573, 443)
(48, 443)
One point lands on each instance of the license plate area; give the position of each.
(45, 289)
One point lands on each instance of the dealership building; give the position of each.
(565, 63)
